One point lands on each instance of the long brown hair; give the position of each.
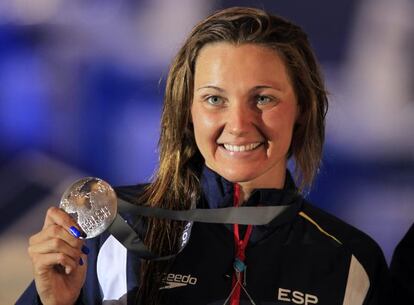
(176, 181)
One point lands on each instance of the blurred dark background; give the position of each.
(81, 86)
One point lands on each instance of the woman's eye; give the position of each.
(263, 99)
(214, 100)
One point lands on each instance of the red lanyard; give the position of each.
(240, 246)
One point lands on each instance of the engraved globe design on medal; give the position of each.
(92, 203)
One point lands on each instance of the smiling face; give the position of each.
(243, 111)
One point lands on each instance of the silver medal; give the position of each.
(92, 203)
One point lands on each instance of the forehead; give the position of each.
(247, 63)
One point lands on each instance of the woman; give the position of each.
(244, 94)
(402, 268)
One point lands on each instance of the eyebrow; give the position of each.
(253, 89)
(211, 87)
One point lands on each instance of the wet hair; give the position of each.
(176, 182)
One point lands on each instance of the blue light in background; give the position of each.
(24, 102)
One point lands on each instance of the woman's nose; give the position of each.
(239, 120)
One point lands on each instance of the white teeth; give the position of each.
(238, 148)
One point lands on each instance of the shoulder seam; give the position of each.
(312, 221)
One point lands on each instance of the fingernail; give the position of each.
(85, 250)
(80, 261)
(68, 269)
(75, 232)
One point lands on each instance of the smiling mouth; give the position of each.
(241, 148)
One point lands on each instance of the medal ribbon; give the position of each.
(125, 234)
(240, 256)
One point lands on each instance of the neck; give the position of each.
(246, 188)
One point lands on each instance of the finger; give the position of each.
(45, 262)
(57, 216)
(55, 231)
(55, 245)
(83, 260)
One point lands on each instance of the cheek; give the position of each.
(278, 127)
(204, 121)
(206, 126)
(201, 134)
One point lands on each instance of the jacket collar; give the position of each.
(218, 192)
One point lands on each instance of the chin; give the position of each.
(238, 176)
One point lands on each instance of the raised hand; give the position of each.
(59, 259)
